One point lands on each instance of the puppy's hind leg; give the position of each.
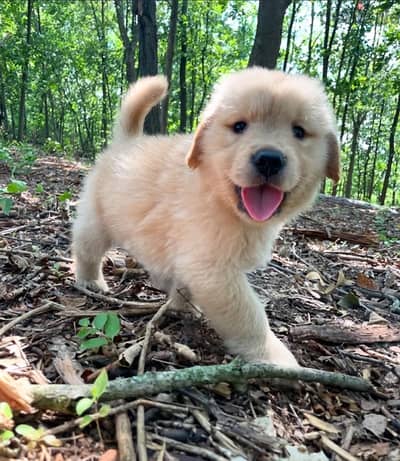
(89, 244)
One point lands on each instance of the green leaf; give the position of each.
(6, 435)
(16, 186)
(5, 410)
(100, 385)
(104, 410)
(6, 204)
(93, 343)
(29, 432)
(67, 195)
(85, 331)
(100, 320)
(349, 301)
(82, 405)
(39, 189)
(112, 326)
(84, 322)
(87, 419)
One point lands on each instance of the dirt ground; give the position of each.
(332, 292)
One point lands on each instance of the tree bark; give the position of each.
(128, 37)
(169, 56)
(3, 106)
(328, 40)
(310, 39)
(148, 64)
(25, 70)
(268, 36)
(182, 68)
(357, 122)
(295, 8)
(392, 135)
(59, 396)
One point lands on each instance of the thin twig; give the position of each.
(69, 425)
(145, 305)
(126, 450)
(199, 451)
(48, 306)
(140, 429)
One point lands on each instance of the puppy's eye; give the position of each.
(298, 132)
(239, 127)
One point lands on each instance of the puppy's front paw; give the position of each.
(93, 285)
(279, 354)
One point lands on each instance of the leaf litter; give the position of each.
(349, 282)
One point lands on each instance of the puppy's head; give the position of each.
(265, 142)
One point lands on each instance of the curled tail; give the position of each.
(137, 103)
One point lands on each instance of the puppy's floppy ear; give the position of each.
(193, 157)
(333, 165)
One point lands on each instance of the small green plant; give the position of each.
(6, 417)
(66, 195)
(52, 147)
(39, 189)
(97, 390)
(33, 436)
(14, 187)
(100, 332)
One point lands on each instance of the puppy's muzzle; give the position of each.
(268, 162)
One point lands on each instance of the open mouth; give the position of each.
(260, 202)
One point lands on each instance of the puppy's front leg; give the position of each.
(239, 317)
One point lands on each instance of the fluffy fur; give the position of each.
(172, 201)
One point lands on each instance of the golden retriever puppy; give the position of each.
(200, 211)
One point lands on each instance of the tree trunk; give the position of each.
(25, 69)
(353, 152)
(148, 55)
(268, 37)
(295, 9)
(129, 38)
(101, 35)
(169, 56)
(310, 39)
(182, 68)
(388, 170)
(3, 106)
(328, 40)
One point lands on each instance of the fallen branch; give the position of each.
(361, 239)
(343, 333)
(61, 397)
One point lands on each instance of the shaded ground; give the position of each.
(339, 285)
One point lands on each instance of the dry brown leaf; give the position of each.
(14, 393)
(363, 281)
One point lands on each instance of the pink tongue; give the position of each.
(261, 202)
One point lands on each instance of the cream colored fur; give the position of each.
(171, 200)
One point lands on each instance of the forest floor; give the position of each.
(331, 292)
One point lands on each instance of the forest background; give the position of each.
(65, 64)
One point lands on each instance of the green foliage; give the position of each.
(33, 436)
(100, 332)
(97, 390)
(76, 76)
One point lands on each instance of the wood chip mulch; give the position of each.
(332, 292)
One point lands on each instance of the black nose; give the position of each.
(268, 162)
